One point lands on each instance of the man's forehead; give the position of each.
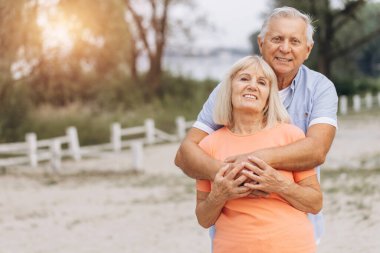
(280, 24)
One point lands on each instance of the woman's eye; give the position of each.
(244, 79)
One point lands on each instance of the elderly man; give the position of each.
(285, 42)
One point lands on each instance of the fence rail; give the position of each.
(358, 103)
(33, 151)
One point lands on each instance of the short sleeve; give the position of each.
(300, 175)
(205, 120)
(325, 104)
(203, 185)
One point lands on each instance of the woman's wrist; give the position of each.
(216, 199)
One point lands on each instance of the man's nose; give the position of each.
(285, 47)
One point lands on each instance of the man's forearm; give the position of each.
(193, 161)
(298, 156)
(303, 154)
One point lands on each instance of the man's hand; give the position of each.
(268, 179)
(239, 160)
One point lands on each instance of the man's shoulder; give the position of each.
(313, 78)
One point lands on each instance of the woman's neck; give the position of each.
(247, 123)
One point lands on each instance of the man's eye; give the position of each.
(296, 42)
(276, 39)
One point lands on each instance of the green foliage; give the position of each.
(14, 113)
(352, 86)
(118, 101)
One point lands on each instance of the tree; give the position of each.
(150, 36)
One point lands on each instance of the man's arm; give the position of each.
(303, 154)
(193, 161)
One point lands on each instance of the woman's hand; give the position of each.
(267, 178)
(227, 184)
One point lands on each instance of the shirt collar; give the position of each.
(289, 98)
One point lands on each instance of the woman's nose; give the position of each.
(252, 85)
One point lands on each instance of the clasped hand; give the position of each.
(250, 177)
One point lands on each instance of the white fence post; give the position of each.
(368, 100)
(181, 127)
(56, 154)
(116, 136)
(31, 139)
(74, 147)
(137, 155)
(343, 105)
(357, 103)
(150, 131)
(378, 99)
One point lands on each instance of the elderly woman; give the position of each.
(254, 118)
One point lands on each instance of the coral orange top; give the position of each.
(269, 225)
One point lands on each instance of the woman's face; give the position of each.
(250, 90)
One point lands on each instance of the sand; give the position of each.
(101, 205)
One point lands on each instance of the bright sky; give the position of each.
(235, 21)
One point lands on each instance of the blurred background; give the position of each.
(88, 63)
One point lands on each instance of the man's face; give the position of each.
(285, 46)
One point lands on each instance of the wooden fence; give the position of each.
(358, 103)
(33, 151)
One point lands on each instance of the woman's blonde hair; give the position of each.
(274, 112)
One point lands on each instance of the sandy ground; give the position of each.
(100, 205)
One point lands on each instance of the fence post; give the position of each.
(378, 99)
(343, 105)
(150, 131)
(116, 136)
(181, 127)
(31, 140)
(368, 100)
(357, 103)
(137, 155)
(56, 153)
(74, 147)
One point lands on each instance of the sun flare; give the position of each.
(56, 31)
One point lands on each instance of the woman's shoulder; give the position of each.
(214, 136)
(290, 130)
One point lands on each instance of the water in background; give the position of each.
(213, 65)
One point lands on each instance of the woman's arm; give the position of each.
(305, 195)
(225, 187)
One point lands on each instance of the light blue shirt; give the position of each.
(312, 99)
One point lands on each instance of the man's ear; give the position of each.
(309, 48)
(260, 43)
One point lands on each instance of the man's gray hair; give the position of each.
(289, 12)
